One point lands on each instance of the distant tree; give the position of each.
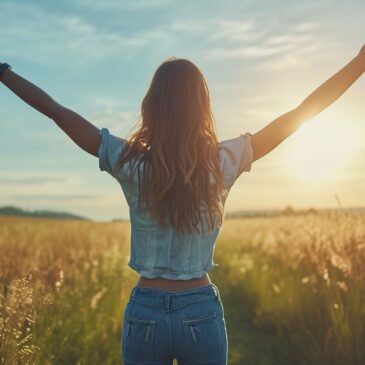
(10, 210)
(312, 210)
(289, 210)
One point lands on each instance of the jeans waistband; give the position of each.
(157, 297)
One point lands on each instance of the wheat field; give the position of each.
(293, 289)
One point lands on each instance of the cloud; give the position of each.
(31, 180)
(54, 196)
(31, 33)
(275, 44)
(234, 31)
(118, 4)
(288, 39)
(307, 26)
(269, 47)
(299, 56)
(258, 39)
(36, 180)
(120, 121)
(217, 29)
(249, 52)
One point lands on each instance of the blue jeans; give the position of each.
(188, 325)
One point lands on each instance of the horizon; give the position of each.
(228, 214)
(259, 59)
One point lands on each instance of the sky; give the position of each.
(260, 60)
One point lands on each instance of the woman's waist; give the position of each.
(173, 285)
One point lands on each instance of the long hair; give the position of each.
(178, 144)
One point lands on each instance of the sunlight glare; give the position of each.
(318, 150)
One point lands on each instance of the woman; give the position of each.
(174, 165)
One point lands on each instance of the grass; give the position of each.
(293, 289)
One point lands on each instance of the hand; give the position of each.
(3, 68)
(362, 53)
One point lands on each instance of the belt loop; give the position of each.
(216, 291)
(167, 301)
(132, 293)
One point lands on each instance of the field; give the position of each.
(293, 289)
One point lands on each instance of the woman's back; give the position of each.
(164, 252)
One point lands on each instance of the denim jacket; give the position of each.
(163, 252)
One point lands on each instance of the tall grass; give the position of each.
(293, 289)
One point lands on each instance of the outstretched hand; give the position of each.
(3, 68)
(362, 53)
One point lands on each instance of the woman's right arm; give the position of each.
(282, 127)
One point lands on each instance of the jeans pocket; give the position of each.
(137, 344)
(203, 337)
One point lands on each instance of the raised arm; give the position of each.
(266, 139)
(82, 132)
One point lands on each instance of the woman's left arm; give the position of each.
(82, 132)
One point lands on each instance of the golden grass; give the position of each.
(293, 289)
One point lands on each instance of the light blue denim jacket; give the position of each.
(158, 252)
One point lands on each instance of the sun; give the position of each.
(318, 150)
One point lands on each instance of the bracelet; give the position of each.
(3, 67)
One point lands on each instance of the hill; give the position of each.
(10, 210)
